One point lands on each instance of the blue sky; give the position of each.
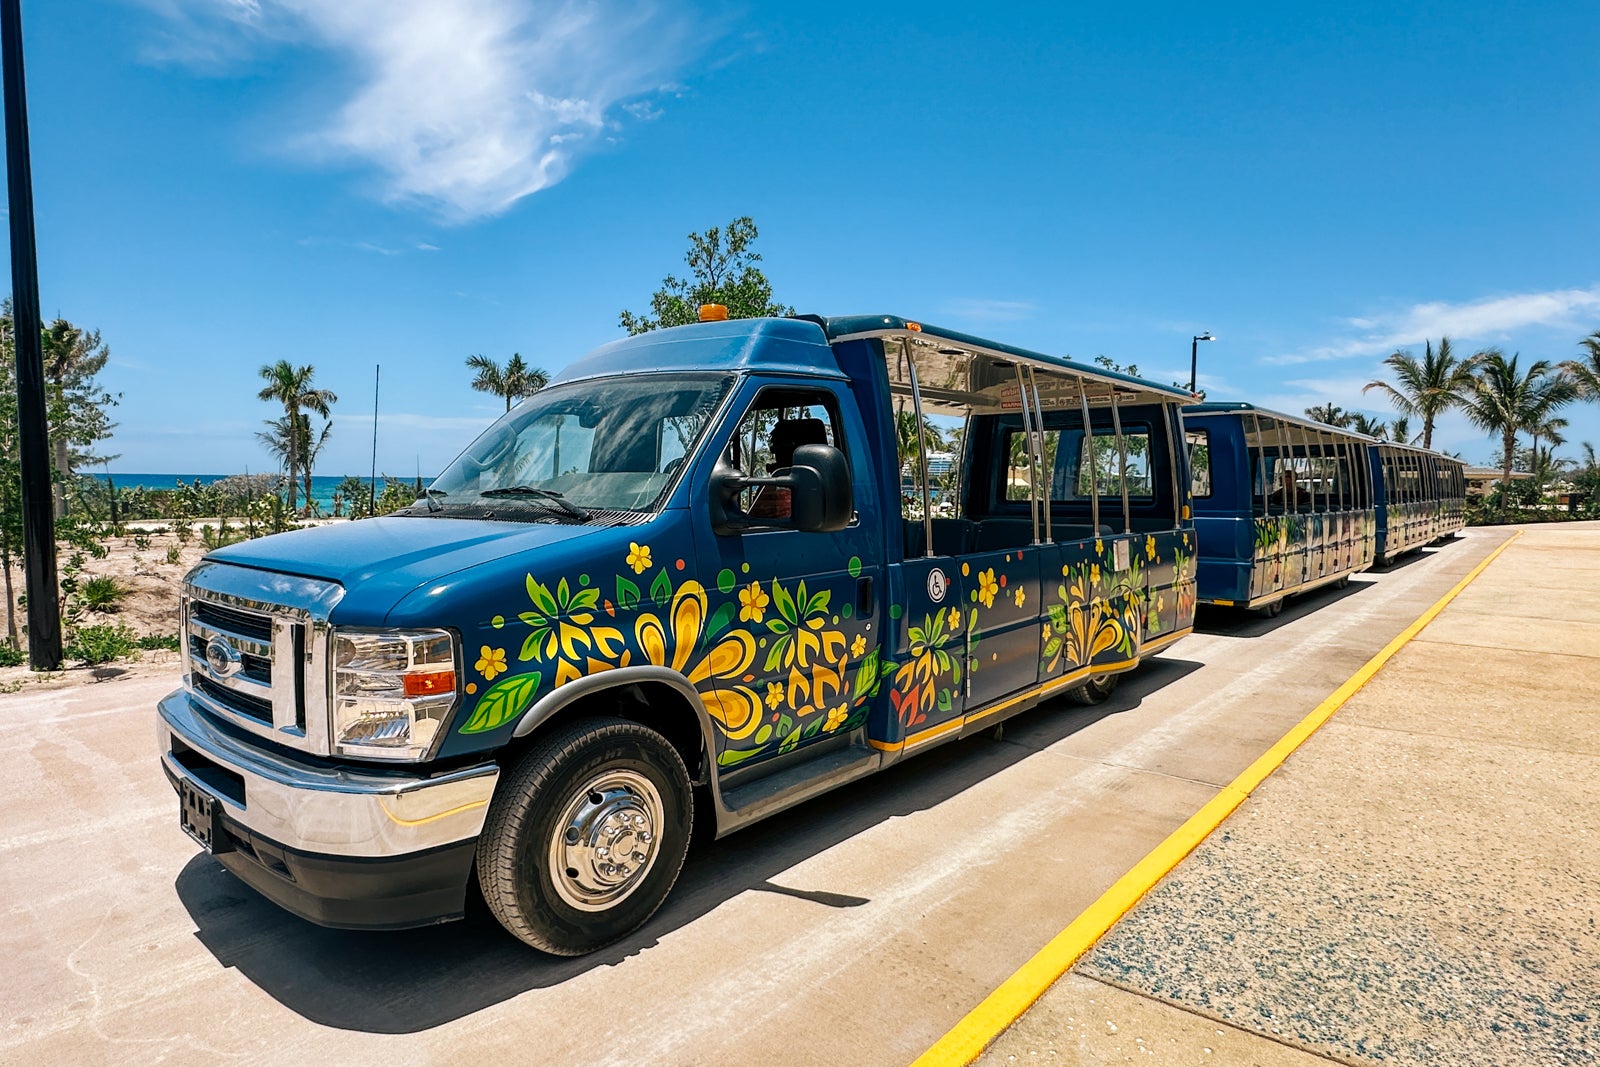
(223, 183)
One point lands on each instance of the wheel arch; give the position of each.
(657, 697)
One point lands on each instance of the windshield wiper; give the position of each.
(427, 498)
(543, 494)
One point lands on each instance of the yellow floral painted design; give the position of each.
(753, 601)
(858, 646)
(1099, 547)
(954, 621)
(1019, 596)
(491, 661)
(836, 718)
(1150, 547)
(774, 694)
(673, 644)
(987, 587)
(1094, 574)
(638, 557)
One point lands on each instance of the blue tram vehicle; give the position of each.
(1282, 505)
(1421, 497)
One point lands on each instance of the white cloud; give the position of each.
(1477, 321)
(990, 310)
(463, 107)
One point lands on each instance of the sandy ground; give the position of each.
(142, 564)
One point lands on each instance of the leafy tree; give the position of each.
(77, 403)
(76, 416)
(291, 386)
(11, 532)
(722, 270)
(1425, 388)
(1506, 399)
(514, 381)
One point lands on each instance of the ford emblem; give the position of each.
(222, 657)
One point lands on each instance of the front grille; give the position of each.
(244, 623)
(260, 665)
(258, 709)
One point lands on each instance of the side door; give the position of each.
(805, 603)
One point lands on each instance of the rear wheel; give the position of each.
(586, 836)
(1272, 610)
(1095, 690)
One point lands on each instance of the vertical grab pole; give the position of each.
(1038, 417)
(1027, 428)
(922, 450)
(1088, 440)
(1122, 460)
(1168, 411)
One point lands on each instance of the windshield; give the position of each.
(612, 443)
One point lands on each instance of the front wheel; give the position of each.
(1095, 690)
(586, 836)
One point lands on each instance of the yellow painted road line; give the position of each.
(969, 1037)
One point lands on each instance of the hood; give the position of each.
(379, 561)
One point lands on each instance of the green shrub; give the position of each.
(159, 641)
(102, 644)
(101, 593)
(174, 554)
(12, 657)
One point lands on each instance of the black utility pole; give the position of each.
(1194, 356)
(39, 535)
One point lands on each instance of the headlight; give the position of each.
(392, 691)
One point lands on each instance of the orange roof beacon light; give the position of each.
(914, 327)
(713, 313)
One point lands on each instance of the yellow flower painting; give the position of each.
(491, 661)
(638, 557)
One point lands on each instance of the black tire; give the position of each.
(1272, 610)
(615, 779)
(1095, 691)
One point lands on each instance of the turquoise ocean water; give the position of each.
(322, 486)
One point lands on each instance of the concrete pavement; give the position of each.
(1418, 883)
(854, 929)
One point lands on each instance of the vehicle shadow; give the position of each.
(1239, 622)
(408, 981)
(1415, 555)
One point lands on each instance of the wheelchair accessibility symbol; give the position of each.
(937, 584)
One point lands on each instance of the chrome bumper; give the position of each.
(332, 811)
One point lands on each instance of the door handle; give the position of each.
(864, 598)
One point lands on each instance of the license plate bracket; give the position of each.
(198, 815)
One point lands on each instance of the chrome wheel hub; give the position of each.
(606, 840)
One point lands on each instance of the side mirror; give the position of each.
(824, 498)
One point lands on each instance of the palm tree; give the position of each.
(1366, 424)
(1585, 371)
(291, 386)
(1507, 400)
(1428, 387)
(1330, 414)
(1399, 430)
(513, 381)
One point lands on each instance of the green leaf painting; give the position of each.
(502, 702)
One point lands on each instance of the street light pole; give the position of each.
(38, 525)
(1194, 355)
